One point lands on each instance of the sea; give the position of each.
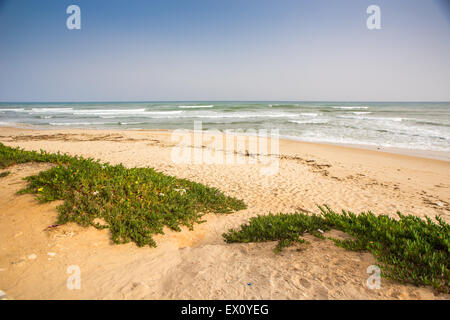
(406, 125)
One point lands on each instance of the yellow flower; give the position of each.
(40, 189)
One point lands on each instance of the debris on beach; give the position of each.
(53, 226)
(18, 262)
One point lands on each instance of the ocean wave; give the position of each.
(371, 118)
(195, 107)
(165, 112)
(113, 114)
(94, 123)
(109, 111)
(290, 106)
(351, 108)
(309, 114)
(130, 123)
(146, 114)
(13, 110)
(312, 121)
(242, 115)
(207, 115)
(78, 123)
(351, 141)
(47, 110)
(361, 112)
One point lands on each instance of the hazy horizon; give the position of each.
(203, 101)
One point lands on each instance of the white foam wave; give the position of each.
(242, 115)
(164, 112)
(309, 114)
(203, 115)
(195, 107)
(77, 123)
(130, 123)
(147, 114)
(109, 111)
(14, 110)
(50, 110)
(371, 118)
(312, 121)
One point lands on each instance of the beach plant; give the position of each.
(134, 203)
(408, 249)
(10, 156)
(284, 228)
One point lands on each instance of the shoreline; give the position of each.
(418, 153)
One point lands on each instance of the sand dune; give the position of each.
(198, 264)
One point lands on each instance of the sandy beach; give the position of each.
(198, 264)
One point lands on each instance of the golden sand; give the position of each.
(198, 264)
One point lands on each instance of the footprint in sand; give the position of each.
(305, 283)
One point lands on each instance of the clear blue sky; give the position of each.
(224, 50)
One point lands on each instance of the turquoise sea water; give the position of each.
(421, 126)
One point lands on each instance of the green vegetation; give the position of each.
(408, 249)
(10, 156)
(284, 228)
(133, 203)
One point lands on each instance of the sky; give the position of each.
(156, 50)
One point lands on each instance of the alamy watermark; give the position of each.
(74, 280)
(374, 20)
(231, 147)
(74, 20)
(374, 281)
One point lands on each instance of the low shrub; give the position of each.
(133, 203)
(409, 249)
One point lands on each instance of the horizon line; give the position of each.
(157, 101)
